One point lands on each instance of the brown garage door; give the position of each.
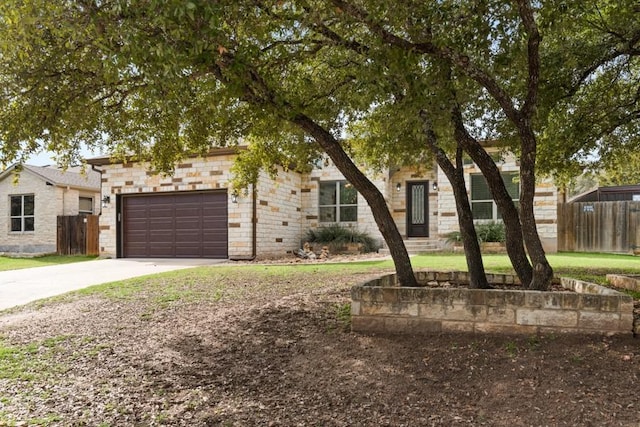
(178, 225)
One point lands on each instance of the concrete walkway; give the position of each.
(19, 287)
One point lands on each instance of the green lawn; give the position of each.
(563, 263)
(586, 266)
(7, 263)
(210, 282)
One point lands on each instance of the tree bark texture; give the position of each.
(542, 271)
(510, 216)
(370, 192)
(473, 254)
(257, 92)
(455, 174)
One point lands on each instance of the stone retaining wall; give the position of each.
(630, 282)
(380, 306)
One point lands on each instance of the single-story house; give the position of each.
(195, 214)
(33, 199)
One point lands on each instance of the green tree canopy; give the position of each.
(395, 82)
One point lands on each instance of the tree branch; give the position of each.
(533, 56)
(461, 61)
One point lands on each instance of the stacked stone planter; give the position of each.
(381, 306)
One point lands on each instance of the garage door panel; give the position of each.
(184, 211)
(137, 225)
(213, 237)
(186, 224)
(161, 213)
(163, 237)
(160, 252)
(189, 238)
(175, 225)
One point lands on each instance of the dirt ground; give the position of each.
(283, 355)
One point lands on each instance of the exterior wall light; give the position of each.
(398, 187)
(106, 200)
(434, 186)
(234, 196)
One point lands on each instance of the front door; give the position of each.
(418, 209)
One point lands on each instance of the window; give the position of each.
(338, 202)
(85, 205)
(21, 212)
(482, 204)
(495, 155)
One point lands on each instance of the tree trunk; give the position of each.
(257, 92)
(375, 199)
(513, 229)
(473, 255)
(455, 174)
(542, 272)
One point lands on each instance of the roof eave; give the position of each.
(107, 160)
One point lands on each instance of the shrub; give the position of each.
(491, 232)
(454, 237)
(337, 235)
(487, 232)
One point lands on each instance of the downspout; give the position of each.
(254, 226)
(254, 221)
(93, 168)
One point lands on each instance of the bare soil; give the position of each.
(270, 352)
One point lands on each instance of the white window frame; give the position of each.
(495, 215)
(337, 205)
(22, 217)
(85, 212)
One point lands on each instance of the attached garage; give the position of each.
(191, 224)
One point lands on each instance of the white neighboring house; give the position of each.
(31, 201)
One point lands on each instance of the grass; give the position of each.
(586, 266)
(9, 263)
(211, 284)
(29, 361)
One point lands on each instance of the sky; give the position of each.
(46, 158)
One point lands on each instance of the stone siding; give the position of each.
(278, 211)
(310, 199)
(398, 199)
(380, 306)
(545, 204)
(210, 173)
(287, 206)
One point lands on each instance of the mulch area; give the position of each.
(284, 356)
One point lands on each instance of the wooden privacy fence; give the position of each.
(599, 227)
(78, 235)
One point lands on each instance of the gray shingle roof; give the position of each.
(72, 177)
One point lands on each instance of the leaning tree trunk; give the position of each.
(455, 174)
(369, 191)
(257, 92)
(513, 229)
(473, 255)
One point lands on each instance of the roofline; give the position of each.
(7, 171)
(608, 189)
(583, 194)
(26, 168)
(214, 152)
(616, 188)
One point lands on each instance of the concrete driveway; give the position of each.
(19, 287)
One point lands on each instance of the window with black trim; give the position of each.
(482, 204)
(21, 212)
(338, 202)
